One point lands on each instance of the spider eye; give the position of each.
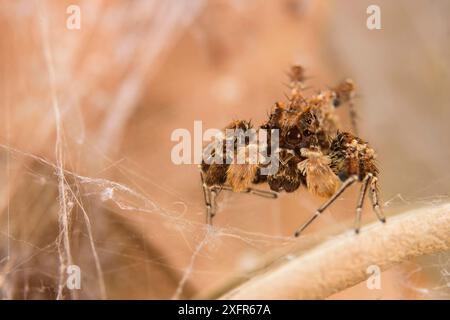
(293, 136)
(307, 133)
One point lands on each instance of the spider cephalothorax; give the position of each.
(311, 152)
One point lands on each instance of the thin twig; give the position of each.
(342, 262)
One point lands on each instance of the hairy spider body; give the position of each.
(311, 152)
(289, 177)
(321, 180)
(216, 173)
(241, 176)
(351, 155)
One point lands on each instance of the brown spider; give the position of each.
(311, 152)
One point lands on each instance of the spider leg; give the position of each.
(262, 193)
(353, 117)
(210, 194)
(347, 183)
(375, 200)
(257, 192)
(213, 204)
(209, 197)
(362, 196)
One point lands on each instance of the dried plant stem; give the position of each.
(342, 261)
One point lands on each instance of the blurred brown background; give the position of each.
(135, 71)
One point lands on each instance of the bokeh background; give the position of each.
(86, 118)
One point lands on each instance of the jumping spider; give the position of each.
(312, 152)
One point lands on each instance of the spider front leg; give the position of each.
(345, 93)
(362, 196)
(209, 196)
(375, 200)
(372, 181)
(353, 117)
(347, 183)
(254, 191)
